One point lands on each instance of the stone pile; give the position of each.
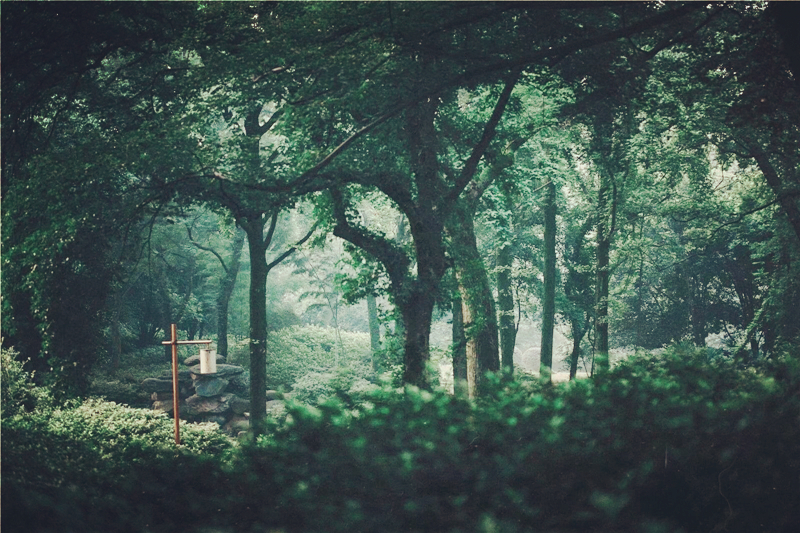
(219, 397)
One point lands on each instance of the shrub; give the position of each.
(18, 393)
(299, 351)
(344, 383)
(667, 442)
(680, 441)
(98, 466)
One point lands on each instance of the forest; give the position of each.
(466, 267)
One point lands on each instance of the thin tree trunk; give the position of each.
(605, 210)
(374, 329)
(505, 304)
(698, 311)
(227, 285)
(460, 386)
(549, 301)
(116, 335)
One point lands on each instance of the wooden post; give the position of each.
(176, 399)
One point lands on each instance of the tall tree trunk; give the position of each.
(480, 318)
(577, 289)
(606, 218)
(418, 309)
(639, 306)
(401, 239)
(549, 301)
(374, 329)
(254, 228)
(227, 285)
(372, 310)
(460, 387)
(505, 305)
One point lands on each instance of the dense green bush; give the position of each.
(296, 352)
(18, 394)
(318, 387)
(96, 466)
(675, 442)
(661, 443)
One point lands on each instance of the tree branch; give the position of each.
(293, 249)
(489, 130)
(206, 249)
(394, 260)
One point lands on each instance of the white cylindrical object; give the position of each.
(208, 361)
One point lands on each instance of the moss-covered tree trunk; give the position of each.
(549, 300)
(374, 328)
(478, 307)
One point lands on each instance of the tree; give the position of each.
(70, 188)
(227, 282)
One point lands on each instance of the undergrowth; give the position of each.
(675, 442)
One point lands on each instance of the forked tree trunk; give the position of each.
(578, 332)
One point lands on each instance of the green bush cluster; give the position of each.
(302, 354)
(675, 442)
(318, 387)
(95, 465)
(18, 394)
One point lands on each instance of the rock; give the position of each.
(197, 405)
(157, 385)
(214, 418)
(275, 407)
(237, 424)
(239, 405)
(210, 386)
(274, 395)
(240, 383)
(222, 371)
(184, 376)
(163, 406)
(195, 360)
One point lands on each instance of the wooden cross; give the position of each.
(175, 389)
